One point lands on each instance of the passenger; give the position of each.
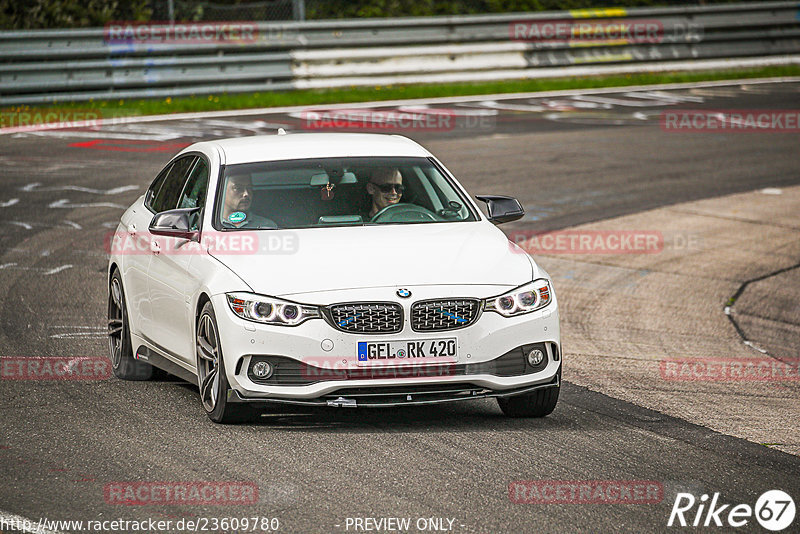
(386, 188)
(237, 202)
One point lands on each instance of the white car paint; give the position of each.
(374, 256)
(331, 265)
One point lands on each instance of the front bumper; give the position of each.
(317, 344)
(398, 396)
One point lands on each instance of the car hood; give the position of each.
(324, 259)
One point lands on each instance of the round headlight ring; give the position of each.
(527, 299)
(263, 310)
(505, 304)
(290, 313)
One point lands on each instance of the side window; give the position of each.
(194, 192)
(152, 191)
(167, 196)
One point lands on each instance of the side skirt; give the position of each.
(156, 359)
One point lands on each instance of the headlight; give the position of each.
(524, 299)
(270, 310)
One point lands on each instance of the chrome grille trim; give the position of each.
(437, 315)
(367, 317)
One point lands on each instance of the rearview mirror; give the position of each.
(322, 179)
(183, 223)
(502, 209)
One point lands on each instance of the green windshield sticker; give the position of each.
(237, 217)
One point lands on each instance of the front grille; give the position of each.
(443, 314)
(367, 318)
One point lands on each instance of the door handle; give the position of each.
(155, 247)
(132, 228)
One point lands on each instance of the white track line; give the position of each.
(438, 100)
(65, 203)
(58, 269)
(35, 186)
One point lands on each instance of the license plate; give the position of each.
(409, 352)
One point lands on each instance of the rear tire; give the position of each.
(120, 349)
(540, 403)
(213, 382)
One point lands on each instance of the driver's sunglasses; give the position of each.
(387, 188)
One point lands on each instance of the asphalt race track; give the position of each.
(570, 160)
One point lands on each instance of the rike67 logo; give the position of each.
(774, 510)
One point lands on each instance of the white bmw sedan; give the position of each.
(343, 270)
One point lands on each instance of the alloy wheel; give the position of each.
(208, 361)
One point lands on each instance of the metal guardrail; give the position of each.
(66, 65)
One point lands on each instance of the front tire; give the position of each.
(540, 403)
(213, 382)
(120, 349)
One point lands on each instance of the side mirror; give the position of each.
(502, 209)
(183, 223)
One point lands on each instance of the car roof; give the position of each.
(314, 145)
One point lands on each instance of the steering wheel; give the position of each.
(403, 212)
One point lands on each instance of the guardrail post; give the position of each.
(298, 9)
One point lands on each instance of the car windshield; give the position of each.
(337, 192)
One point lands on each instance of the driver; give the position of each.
(236, 206)
(385, 187)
